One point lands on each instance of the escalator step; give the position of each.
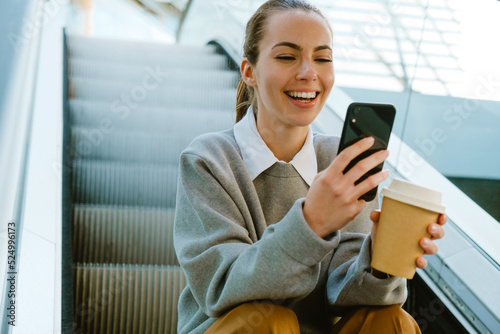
(118, 234)
(75, 41)
(117, 145)
(106, 117)
(133, 96)
(194, 61)
(201, 73)
(119, 51)
(124, 183)
(127, 299)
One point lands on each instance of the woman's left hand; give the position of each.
(436, 231)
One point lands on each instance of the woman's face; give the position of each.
(294, 72)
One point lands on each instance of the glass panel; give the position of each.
(438, 63)
(458, 133)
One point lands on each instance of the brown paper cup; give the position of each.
(407, 210)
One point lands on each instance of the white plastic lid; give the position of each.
(410, 193)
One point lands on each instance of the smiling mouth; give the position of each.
(304, 97)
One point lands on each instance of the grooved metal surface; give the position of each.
(120, 234)
(164, 74)
(121, 145)
(126, 299)
(107, 117)
(121, 183)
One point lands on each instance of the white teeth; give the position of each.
(304, 95)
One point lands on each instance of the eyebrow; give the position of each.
(299, 48)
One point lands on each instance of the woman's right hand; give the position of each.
(333, 199)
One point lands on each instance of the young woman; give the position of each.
(268, 230)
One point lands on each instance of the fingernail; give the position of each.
(434, 228)
(426, 242)
(369, 140)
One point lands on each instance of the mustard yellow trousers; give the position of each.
(263, 318)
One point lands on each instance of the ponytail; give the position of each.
(244, 99)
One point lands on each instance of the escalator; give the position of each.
(97, 257)
(131, 108)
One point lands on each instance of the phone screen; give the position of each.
(365, 120)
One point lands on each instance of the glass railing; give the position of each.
(429, 59)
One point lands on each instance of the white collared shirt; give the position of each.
(257, 157)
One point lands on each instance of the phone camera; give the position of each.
(357, 111)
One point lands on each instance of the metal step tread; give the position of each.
(115, 298)
(77, 105)
(136, 146)
(126, 96)
(123, 234)
(199, 63)
(151, 74)
(133, 52)
(124, 183)
(154, 80)
(111, 44)
(176, 119)
(194, 61)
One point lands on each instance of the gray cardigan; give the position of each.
(230, 254)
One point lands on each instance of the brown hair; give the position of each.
(245, 95)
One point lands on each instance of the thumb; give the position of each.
(374, 216)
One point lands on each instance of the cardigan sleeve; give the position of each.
(223, 266)
(350, 281)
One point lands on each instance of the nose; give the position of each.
(307, 71)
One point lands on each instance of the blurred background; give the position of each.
(99, 97)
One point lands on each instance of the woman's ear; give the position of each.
(247, 73)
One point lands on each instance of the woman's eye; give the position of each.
(285, 58)
(324, 60)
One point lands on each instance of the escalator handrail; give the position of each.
(223, 47)
(183, 18)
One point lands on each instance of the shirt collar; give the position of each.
(257, 157)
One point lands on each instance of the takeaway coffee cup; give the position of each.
(407, 210)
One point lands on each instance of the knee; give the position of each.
(392, 318)
(266, 315)
(393, 312)
(256, 317)
(377, 320)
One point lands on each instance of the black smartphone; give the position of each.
(367, 120)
